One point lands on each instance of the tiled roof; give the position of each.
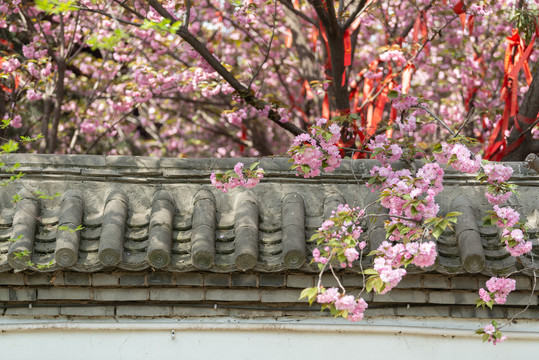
(140, 212)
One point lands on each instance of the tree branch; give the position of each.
(298, 13)
(437, 119)
(319, 8)
(60, 89)
(361, 7)
(187, 13)
(269, 47)
(333, 20)
(243, 91)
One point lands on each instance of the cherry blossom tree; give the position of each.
(229, 78)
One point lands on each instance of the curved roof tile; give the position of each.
(139, 212)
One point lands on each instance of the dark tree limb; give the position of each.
(529, 108)
(320, 10)
(290, 7)
(333, 20)
(360, 8)
(59, 90)
(241, 89)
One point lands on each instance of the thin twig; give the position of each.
(529, 128)
(437, 119)
(358, 12)
(362, 273)
(337, 278)
(319, 285)
(298, 13)
(269, 47)
(532, 294)
(468, 118)
(355, 150)
(104, 13)
(389, 216)
(374, 94)
(187, 13)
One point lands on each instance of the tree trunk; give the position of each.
(529, 108)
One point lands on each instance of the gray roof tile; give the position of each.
(163, 214)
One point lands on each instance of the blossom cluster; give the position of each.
(391, 258)
(515, 242)
(347, 305)
(404, 195)
(498, 289)
(481, 9)
(383, 150)
(15, 122)
(459, 157)
(404, 102)
(339, 238)
(507, 219)
(247, 178)
(498, 191)
(317, 150)
(395, 55)
(491, 333)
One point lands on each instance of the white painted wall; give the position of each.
(432, 339)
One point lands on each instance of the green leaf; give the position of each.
(437, 232)
(437, 148)
(370, 284)
(370, 272)
(393, 94)
(309, 293)
(55, 6)
(390, 230)
(254, 165)
(378, 284)
(10, 146)
(373, 252)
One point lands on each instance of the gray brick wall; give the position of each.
(105, 280)
(241, 280)
(121, 294)
(144, 310)
(11, 279)
(171, 294)
(37, 279)
(188, 279)
(133, 279)
(88, 311)
(299, 281)
(402, 296)
(243, 295)
(281, 296)
(77, 279)
(221, 280)
(160, 278)
(232, 295)
(57, 293)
